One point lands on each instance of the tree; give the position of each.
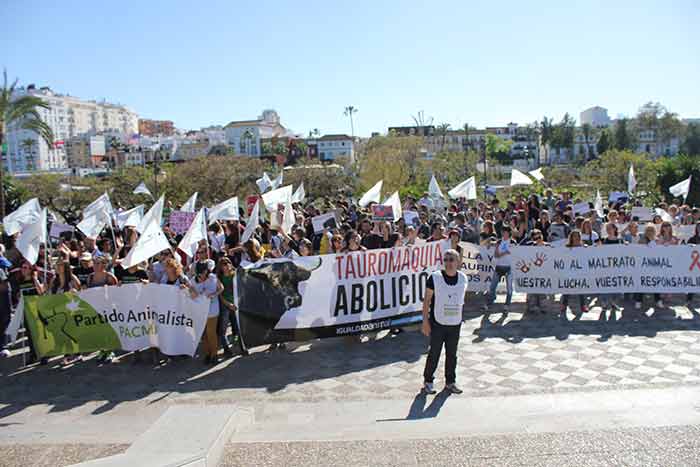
(603, 143)
(442, 130)
(674, 169)
(691, 142)
(22, 113)
(586, 129)
(315, 133)
(349, 112)
(623, 140)
(499, 149)
(546, 133)
(609, 173)
(394, 160)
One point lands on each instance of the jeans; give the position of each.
(226, 316)
(581, 300)
(499, 272)
(639, 298)
(439, 335)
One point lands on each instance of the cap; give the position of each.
(86, 257)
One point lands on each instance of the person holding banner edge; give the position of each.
(442, 320)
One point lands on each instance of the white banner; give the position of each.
(607, 269)
(130, 317)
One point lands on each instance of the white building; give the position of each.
(245, 136)
(332, 146)
(68, 117)
(596, 116)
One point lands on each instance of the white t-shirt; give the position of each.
(503, 247)
(205, 288)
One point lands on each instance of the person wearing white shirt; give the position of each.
(207, 284)
(442, 320)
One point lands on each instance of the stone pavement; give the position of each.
(520, 354)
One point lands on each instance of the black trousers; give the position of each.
(449, 337)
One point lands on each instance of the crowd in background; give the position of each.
(74, 262)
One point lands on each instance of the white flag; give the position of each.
(142, 189)
(681, 188)
(228, 210)
(299, 194)
(15, 322)
(264, 183)
(466, 189)
(130, 218)
(252, 224)
(288, 218)
(91, 226)
(189, 205)
(31, 237)
(434, 189)
(519, 178)
(28, 213)
(276, 183)
(665, 216)
(196, 233)
(156, 212)
(395, 202)
(598, 205)
(631, 181)
(100, 208)
(372, 196)
(537, 174)
(276, 197)
(151, 242)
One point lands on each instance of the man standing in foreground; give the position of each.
(442, 319)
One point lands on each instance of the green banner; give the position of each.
(65, 324)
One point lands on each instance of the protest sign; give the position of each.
(607, 269)
(642, 213)
(347, 293)
(57, 229)
(618, 196)
(180, 221)
(324, 221)
(130, 317)
(411, 218)
(580, 209)
(684, 232)
(382, 212)
(250, 203)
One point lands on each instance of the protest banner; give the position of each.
(411, 218)
(57, 229)
(642, 213)
(607, 269)
(324, 221)
(130, 317)
(382, 212)
(343, 294)
(180, 221)
(580, 209)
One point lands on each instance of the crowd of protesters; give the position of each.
(74, 262)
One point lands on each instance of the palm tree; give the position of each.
(442, 130)
(22, 112)
(466, 145)
(315, 133)
(349, 111)
(247, 139)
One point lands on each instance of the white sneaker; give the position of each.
(428, 388)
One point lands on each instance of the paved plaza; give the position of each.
(534, 356)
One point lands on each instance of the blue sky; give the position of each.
(485, 63)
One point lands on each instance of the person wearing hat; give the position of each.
(442, 319)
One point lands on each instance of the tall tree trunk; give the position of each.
(2, 182)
